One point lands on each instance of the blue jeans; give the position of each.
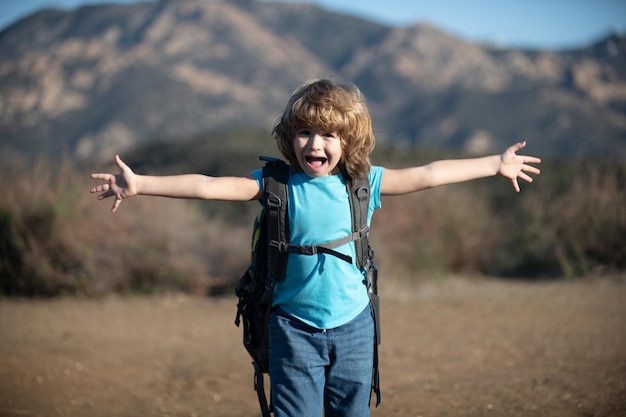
(314, 371)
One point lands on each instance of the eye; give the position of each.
(303, 132)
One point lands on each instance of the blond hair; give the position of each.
(333, 107)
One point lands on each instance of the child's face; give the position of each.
(318, 151)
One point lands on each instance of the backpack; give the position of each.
(270, 248)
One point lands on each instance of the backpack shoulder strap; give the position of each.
(275, 179)
(359, 204)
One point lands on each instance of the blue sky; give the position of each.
(529, 23)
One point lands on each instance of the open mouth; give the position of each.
(315, 161)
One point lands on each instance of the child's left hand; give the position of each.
(515, 166)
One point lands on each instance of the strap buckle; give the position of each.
(307, 250)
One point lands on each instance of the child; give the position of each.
(321, 329)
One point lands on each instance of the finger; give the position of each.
(530, 159)
(116, 204)
(106, 195)
(525, 177)
(120, 163)
(516, 147)
(531, 169)
(515, 185)
(101, 176)
(100, 188)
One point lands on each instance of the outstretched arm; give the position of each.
(127, 184)
(509, 165)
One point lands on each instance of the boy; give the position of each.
(321, 329)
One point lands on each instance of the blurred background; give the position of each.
(193, 86)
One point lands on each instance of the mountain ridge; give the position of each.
(108, 78)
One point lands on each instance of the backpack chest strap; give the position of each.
(326, 248)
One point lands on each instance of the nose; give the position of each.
(315, 141)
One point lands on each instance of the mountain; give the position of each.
(109, 78)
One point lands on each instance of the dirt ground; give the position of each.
(452, 348)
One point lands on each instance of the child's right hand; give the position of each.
(121, 186)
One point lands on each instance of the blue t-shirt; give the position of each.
(322, 290)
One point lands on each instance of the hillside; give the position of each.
(108, 78)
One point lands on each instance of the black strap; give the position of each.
(376, 377)
(371, 278)
(276, 176)
(326, 248)
(259, 387)
(359, 203)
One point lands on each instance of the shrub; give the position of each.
(589, 221)
(55, 238)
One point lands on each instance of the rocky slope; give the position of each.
(104, 79)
